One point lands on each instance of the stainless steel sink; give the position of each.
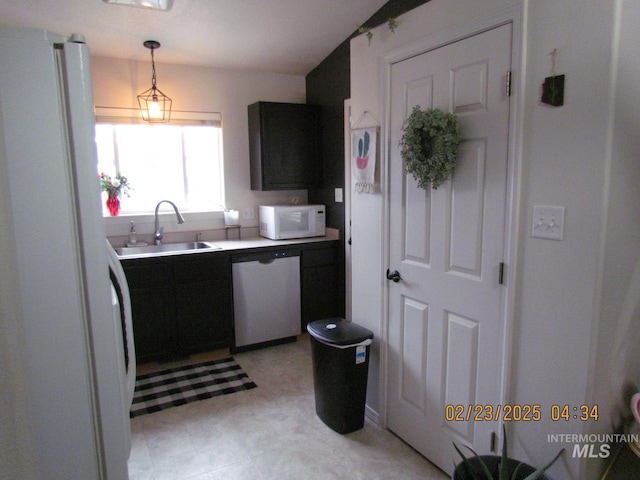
(165, 248)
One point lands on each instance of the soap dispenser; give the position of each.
(133, 236)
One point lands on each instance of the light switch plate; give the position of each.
(338, 195)
(548, 222)
(248, 213)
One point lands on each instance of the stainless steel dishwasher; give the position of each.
(266, 298)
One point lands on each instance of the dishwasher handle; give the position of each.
(264, 257)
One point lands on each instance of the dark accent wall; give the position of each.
(329, 85)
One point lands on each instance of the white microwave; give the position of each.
(279, 222)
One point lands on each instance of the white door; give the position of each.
(446, 313)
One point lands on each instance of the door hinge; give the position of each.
(493, 441)
(501, 274)
(507, 84)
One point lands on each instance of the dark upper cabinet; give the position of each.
(284, 146)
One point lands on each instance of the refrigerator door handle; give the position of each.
(118, 272)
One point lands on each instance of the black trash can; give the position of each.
(340, 351)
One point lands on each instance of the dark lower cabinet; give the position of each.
(150, 290)
(183, 304)
(203, 303)
(319, 279)
(180, 304)
(153, 328)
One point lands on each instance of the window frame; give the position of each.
(131, 116)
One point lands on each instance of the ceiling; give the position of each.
(281, 36)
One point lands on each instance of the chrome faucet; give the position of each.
(157, 237)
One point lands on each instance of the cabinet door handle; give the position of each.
(394, 276)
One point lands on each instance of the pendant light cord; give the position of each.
(153, 70)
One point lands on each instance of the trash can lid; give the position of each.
(338, 331)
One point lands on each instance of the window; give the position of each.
(180, 161)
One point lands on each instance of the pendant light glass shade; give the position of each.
(155, 106)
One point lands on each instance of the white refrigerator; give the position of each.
(65, 395)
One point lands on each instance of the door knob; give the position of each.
(395, 275)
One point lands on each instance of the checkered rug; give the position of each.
(177, 386)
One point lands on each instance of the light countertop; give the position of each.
(238, 244)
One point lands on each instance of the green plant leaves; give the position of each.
(366, 144)
(483, 465)
(503, 466)
(540, 471)
(429, 146)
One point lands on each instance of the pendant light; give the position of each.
(155, 106)
(162, 5)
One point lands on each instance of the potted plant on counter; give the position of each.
(494, 467)
(114, 187)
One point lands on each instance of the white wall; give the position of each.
(575, 299)
(116, 83)
(563, 163)
(616, 363)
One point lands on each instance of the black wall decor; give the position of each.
(553, 91)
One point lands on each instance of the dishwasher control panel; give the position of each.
(264, 256)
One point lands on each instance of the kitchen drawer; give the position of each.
(319, 257)
(199, 267)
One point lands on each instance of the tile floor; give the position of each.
(268, 433)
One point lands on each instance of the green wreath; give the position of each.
(429, 146)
